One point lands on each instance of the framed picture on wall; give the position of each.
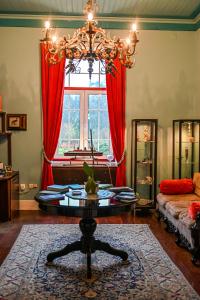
(8, 169)
(16, 122)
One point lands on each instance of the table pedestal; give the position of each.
(87, 245)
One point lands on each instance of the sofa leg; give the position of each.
(158, 215)
(169, 226)
(195, 232)
(196, 257)
(178, 239)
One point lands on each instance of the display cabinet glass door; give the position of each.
(144, 160)
(186, 151)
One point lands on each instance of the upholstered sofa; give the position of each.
(173, 209)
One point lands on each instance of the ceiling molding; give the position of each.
(37, 21)
(195, 13)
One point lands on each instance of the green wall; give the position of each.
(163, 84)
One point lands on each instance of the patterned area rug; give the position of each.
(148, 274)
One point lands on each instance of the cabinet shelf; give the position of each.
(146, 142)
(143, 183)
(144, 159)
(144, 163)
(144, 202)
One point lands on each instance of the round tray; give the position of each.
(102, 194)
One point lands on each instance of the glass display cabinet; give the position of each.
(144, 161)
(186, 148)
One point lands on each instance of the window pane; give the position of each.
(82, 80)
(93, 124)
(104, 146)
(70, 127)
(99, 123)
(103, 125)
(73, 127)
(103, 102)
(81, 77)
(102, 80)
(74, 101)
(66, 101)
(93, 102)
(94, 82)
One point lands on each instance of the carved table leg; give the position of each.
(99, 245)
(87, 245)
(88, 227)
(76, 246)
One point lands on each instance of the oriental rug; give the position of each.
(148, 274)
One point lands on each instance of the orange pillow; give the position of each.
(176, 186)
(193, 209)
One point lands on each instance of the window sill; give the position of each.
(79, 161)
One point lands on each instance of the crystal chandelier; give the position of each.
(91, 43)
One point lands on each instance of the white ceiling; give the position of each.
(118, 8)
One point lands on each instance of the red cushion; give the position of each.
(176, 186)
(193, 209)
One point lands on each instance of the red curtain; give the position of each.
(116, 95)
(52, 103)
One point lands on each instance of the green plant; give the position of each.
(89, 171)
(90, 186)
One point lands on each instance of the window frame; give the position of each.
(84, 93)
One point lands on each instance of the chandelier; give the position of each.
(91, 43)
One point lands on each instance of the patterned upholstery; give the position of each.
(163, 199)
(185, 219)
(175, 209)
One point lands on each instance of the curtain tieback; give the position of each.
(121, 159)
(45, 157)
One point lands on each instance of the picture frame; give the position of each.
(16, 122)
(8, 169)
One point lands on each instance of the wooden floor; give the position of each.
(182, 258)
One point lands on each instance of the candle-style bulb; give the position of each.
(47, 24)
(90, 16)
(134, 27)
(54, 38)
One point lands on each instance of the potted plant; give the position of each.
(91, 187)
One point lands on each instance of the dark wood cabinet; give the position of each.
(9, 196)
(75, 174)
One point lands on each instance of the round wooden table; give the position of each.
(88, 207)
